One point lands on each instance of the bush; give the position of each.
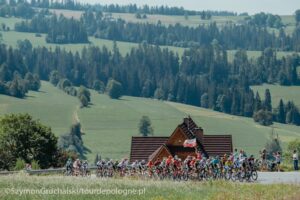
(20, 164)
(72, 141)
(84, 96)
(54, 77)
(33, 140)
(35, 165)
(263, 117)
(99, 86)
(159, 94)
(114, 89)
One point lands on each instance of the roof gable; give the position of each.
(143, 147)
(177, 138)
(161, 152)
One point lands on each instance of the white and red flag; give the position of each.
(190, 143)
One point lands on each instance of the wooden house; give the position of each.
(151, 148)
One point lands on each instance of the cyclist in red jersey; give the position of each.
(198, 155)
(169, 161)
(157, 162)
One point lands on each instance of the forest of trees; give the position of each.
(202, 77)
(131, 8)
(17, 9)
(253, 35)
(263, 19)
(60, 30)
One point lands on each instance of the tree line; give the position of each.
(267, 20)
(248, 36)
(201, 77)
(130, 8)
(17, 9)
(60, 30)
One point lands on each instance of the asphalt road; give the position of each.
(279, 177)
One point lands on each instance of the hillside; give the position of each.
(109, 124)
(286, 93)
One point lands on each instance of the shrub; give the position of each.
(20, 164)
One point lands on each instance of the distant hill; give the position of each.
(109, 124)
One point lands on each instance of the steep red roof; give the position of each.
(217, 144)
(143, 147)
(157, 151)
(191, 130)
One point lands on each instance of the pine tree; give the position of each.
(145, 127)
(257, 103)
(281, 112)
(268, 101)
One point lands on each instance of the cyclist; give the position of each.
(85, 167)
(69, 165)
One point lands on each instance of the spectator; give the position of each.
(295, 159)
(277, 160)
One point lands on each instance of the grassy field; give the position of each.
(110, 124)
(10, 38)
(288, 20)
(256, 54)
(278, 92)
(154, 190)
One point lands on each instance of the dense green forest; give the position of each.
(131, 8)
(252, 35)
(202, 76)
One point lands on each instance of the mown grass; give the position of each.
(155, 190)
(110, 124)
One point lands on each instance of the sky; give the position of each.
(281, 7)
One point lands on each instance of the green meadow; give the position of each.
(109, 124)
(286, 93)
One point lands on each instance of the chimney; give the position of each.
(186, 121)
(198, 132)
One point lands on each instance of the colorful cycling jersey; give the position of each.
(215, 161)
(177, 164)
(168, 161)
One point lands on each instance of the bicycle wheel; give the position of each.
(254, 175)
(241, 176)
(227, 175)
(185, 176)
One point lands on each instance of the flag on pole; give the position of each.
(190, 143)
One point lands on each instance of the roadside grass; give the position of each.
(156, 190)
